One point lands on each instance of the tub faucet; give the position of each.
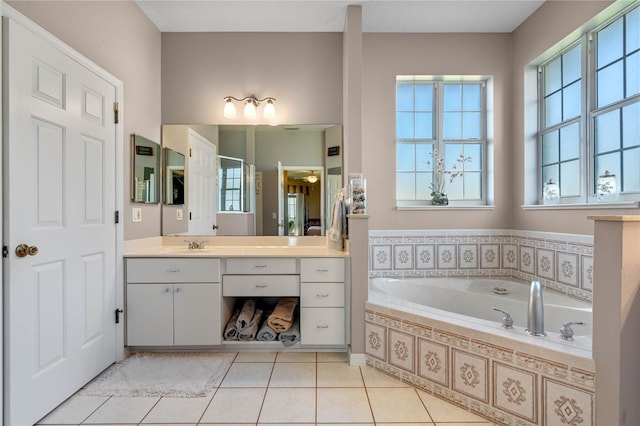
(566, 332)
(192, 245)
(507, 321)
(535, 314)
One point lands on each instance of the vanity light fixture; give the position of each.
(251, 104)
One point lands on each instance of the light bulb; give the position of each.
(229, 109)
(250, 109)
(312, 179)
(269, 112)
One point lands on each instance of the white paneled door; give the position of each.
(203, 186)
(60, 199)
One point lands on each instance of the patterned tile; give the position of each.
(527, 259)
(433, 361)
(447, 256)
(565, 405)
(587, 273)
(425, 256)
(489, 256)
(470, 375)
(514, 391)
(468, 256)
(403, 256)
(568, 268)
(401, 350)
(381, 257)
(510, 256)
(376, 340)
(546, 264)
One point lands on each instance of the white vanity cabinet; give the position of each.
(173, 302)
(322, 301)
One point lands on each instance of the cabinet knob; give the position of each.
(179, 290)
(167, 290)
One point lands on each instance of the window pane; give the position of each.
(423, 157)
(633, 30)
(404, 97)
(452, 97)
(610, 162)
(405, 186)
(551, 172)
(404, 125)
(610, 84)
(454, 190)
(633, 74)
(452, 152)
(550, 143)
(610, 43)
(572, 65)
(631, 125)
(423, 180)
(553, 76)
(471, 125)
(553, 109)
(607, 132)
(472, 186)
(471, 97)
(424, 97)
(452, 124)
(570, 142)
(473, 153)
(571, 101)
(424, 125)
(405, 159)
(570, 179)
(631, 175)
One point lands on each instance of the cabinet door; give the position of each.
(149, 314)
(196, 314)
(322, 326)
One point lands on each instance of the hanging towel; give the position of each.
(291, 336)
(231, 331)
(266, 333)
(338, 218)
(250, 331)
(246, 314)
(281, 318)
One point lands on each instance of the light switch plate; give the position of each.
(136, 214)
(179, 214)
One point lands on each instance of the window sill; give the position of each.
(448, 207)
(583, 206)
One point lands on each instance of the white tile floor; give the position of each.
(278, 388)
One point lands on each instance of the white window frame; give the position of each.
(438, 140)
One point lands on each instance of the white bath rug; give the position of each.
(186, 375)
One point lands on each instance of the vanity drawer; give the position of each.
(322, 295)
(173, 270)
(258, 265)
(322, 269)
(260, 285)
(322, 326)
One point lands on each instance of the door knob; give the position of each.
(24, 250)
(214, 227)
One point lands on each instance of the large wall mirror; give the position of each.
(266, 180)
(145, 170)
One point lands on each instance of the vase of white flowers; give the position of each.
(441, 175)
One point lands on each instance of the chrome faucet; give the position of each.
(195, 244)
(507, 321)
(566, 332)
(535, 314)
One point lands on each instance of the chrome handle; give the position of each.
(322, 326)
(566, 332)
(507, 321)
(261, 286)
(173, 271)
(260, 266)
(322, 295)
(322, 270)
(167, 290)
(179, 290)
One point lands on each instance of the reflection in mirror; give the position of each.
(173, 177)
(145, 174)
(248, 194)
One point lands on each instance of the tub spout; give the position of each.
(535, 314)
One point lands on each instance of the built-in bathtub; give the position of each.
(442, 336)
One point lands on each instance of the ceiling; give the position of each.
(408, 16)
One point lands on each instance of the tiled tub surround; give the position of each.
(563, 263)
(509, 381)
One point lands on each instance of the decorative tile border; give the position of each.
(478, 373)
(562, 262)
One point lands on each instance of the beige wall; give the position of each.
(550, 24)
(303, 71)
(119, 38)
(388, 55)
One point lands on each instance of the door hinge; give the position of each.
(189, 215)
(115, 113)
(5, 251)
(118, 312)
(190, 151)
(117, 216)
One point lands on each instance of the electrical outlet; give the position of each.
(179, 214)
(136, 214)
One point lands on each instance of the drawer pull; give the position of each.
(320, 296)
(322, 326)
(261, 286)
(322, 270)
(173, 271)
(179, 290)
(262, 265)
(167, 290)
